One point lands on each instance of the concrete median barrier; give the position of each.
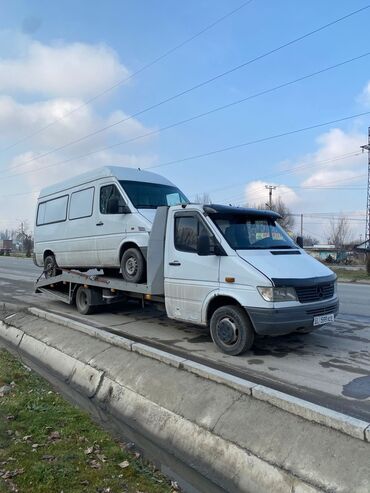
(239, 436)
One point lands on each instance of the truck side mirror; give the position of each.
(300, 241)
(203, 245)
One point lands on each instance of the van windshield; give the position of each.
(152, 195)
(246, 232)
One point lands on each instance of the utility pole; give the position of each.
(270, 188)
(367, 230)
(302, 225)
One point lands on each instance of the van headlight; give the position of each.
(270, 293)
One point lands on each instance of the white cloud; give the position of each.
(256, 193)
(17, 120)
(330, 169)
(364, 97)
(64, 76)
(61, 69)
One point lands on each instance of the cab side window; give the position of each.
(111, 201)
(187, 230)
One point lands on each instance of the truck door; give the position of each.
(189, 277)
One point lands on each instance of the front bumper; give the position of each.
(280, 321)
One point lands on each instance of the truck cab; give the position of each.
(231, 267)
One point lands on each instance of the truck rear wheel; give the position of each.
(231, 330)
(84, 300)
(133, 265)
(51, 267)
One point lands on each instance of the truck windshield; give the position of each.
(152, 195)
(246, 232)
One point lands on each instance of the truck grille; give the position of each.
(309, 294)
(315, 312)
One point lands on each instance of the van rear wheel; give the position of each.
(51, 267)
(231, 330)
(84, 300)
(133, 265)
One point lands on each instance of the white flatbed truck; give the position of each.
(229, 268)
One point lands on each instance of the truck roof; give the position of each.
(119, 172)
(228, 209)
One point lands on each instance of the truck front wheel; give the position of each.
(231, 330)
(133, 265)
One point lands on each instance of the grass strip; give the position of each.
(49, 446)
(351, 275)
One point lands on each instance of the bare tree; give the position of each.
(340, 232)
(309, 240)
(287, 220)
(202, 198)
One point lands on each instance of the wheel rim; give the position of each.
(131, 266)
(227, 331)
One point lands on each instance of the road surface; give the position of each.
(330, 367)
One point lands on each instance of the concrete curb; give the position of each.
(348, 425)
(239, 436)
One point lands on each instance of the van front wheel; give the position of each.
(133, 265)
(231, 330)
(51, 267)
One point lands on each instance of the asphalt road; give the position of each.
(330, 366)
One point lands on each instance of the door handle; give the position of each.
(175, 263)
(100, 223)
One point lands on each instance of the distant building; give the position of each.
(322, 252)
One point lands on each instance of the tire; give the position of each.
(83, 301)
(51, 267)
(133, 266)
(231, 330)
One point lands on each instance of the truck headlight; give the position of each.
(277, 294)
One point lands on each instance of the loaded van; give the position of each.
(101, 219)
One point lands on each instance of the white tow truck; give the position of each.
(230, 268)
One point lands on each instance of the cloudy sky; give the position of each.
(85, 84)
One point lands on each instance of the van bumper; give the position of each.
(280, 321)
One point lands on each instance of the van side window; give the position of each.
(111, 201)
(187, 230)
(81, 203)
(52, 211)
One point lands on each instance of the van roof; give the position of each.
(119, 172)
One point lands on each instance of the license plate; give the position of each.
(323, 319)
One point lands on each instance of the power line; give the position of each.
(259, 141)
(259, 191)
(294, 168)
(292, 132)
(200, 115)
(199, 85)
(288, 170)
(131, 76)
